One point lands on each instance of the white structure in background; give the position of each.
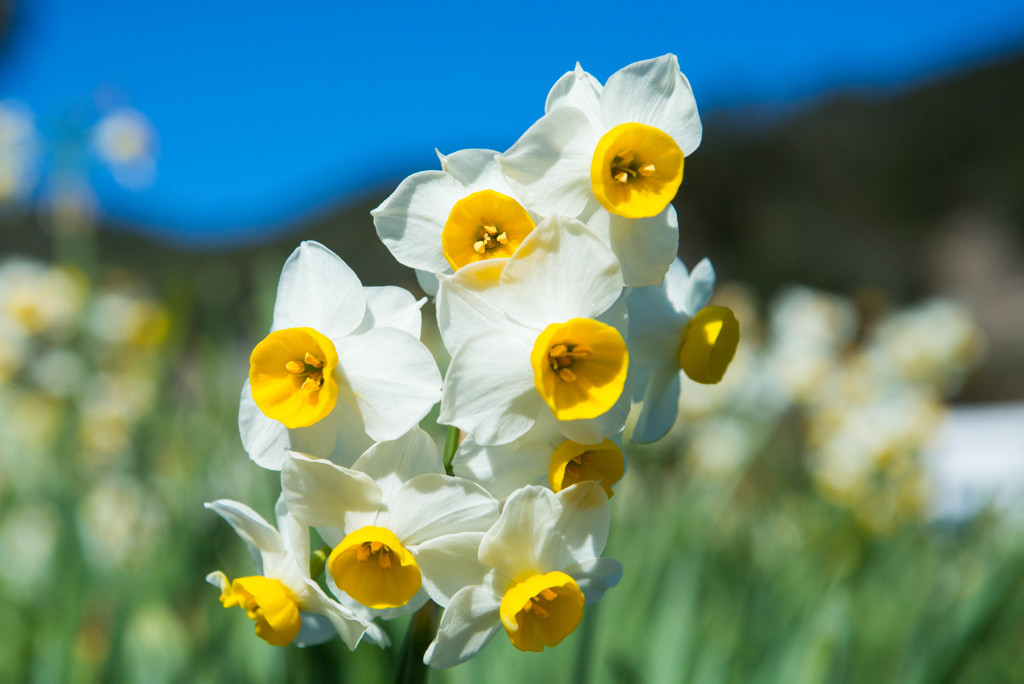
(125, 141)
(19, 152)
(977, 459)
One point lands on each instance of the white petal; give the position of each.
(318, 290)
(391, 307)
(595, 576)
(645, 247)
(394, 379)
(467, 303)
(294, 536)
(263, 438)
(698, 289)
(431, 506)
(338, 436)
(322, 494)
(468, 166)
(655, 332)
(502, 469)
(576, 89)
(582, 523)
(467, 625)
(427, 281)
(343, 621)
(314, 629)
(528, 522)
(410, 221)
(561, 271)
(392, 463)
(261, 537)
(653, 92)
(660, 407)
(549, 166)
(489, 390)
(218, 579)
(450, 563)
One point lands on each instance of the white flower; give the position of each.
(342, 367)
(542, 456)
(672, 332)
(544, 555)
(401, 530)
(546, 337)
(439, 221)
(286, 604)
(613, 157)
(125, 140)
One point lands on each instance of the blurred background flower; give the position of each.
(844, 506)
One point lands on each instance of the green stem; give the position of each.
(451, 443)
(318, 560)
(422, 629)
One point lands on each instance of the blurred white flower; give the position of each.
(125, 140)
(19, 151)
(29, 534)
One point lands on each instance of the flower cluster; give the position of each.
(563, 307)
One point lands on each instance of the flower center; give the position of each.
(636, 170)
(290, 375)
(709, 343)
(484, 225)
(573, 462)
(267, 602)
(373, 567)
(579, 367)
(541, 610)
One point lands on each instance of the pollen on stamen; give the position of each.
(502, 239)
(548, 594)
(311, 360)
(567, 375)
(489, 229)
(294, 367)
(647, 169)
(385, 560)
(479, 247)
(540, 611)
(362, 553)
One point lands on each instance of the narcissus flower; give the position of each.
(613, 157)
(342, 366)
(284, 602)
(545, 567)
(547, 337)
(401, 531)
(439, 221)
(672, 332)
(542, 456)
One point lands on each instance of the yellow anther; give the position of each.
(479, 247)
(489, 229)
(621, 177)
(502, 239)
(385, 560)
(375, 546)
(309, 384)
(539, 611)
(528, 606)
(558, 350)
(567, 375)
(313, 361)
(586, 458)
(647, 169)
(572, 469)
(363, 552)
(580, 351)
(294, 367)
(548, 594)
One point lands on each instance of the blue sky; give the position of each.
(266, 111)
